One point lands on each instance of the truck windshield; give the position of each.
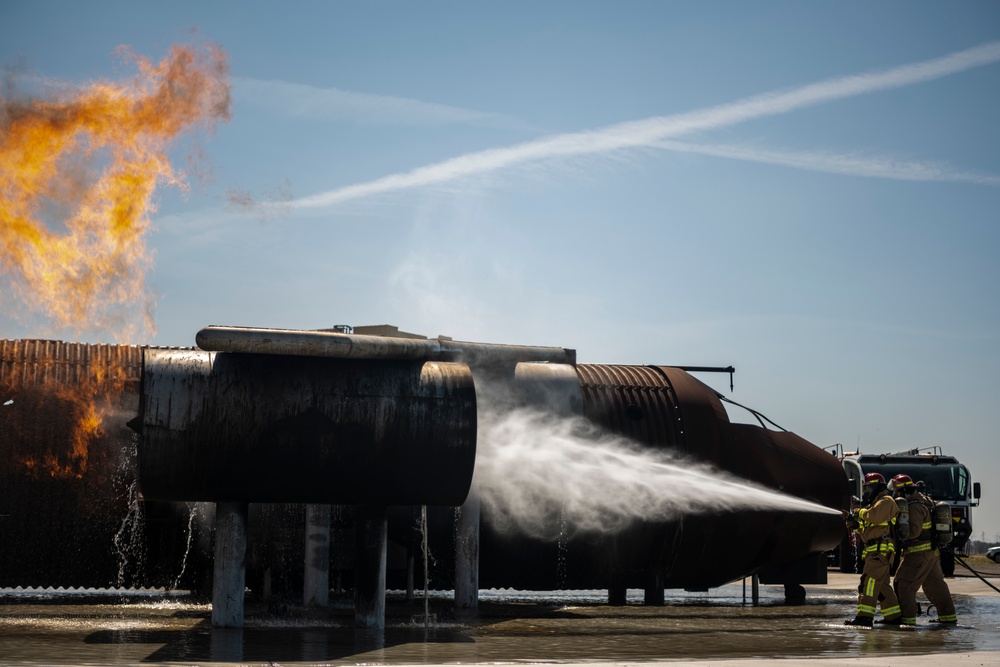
(941, 482)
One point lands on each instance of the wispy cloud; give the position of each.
(333, 104)
(838, 163)
(648, 132)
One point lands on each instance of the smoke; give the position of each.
(536, 472)
(272, 207)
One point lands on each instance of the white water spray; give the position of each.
(544, 475)
(129, 539)
(192, 513)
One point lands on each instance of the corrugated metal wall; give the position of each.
(34, 363)
(67, 465)
(634, 401)
(69, 514)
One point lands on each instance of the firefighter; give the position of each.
(921, 559)
(874, 525)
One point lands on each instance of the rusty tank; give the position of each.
(279, 418)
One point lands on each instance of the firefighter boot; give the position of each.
(889, 621)
(861, 621)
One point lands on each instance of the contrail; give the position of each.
(851, 165)
(648, 131)
(300, 100)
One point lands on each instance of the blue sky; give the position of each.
(806, 191)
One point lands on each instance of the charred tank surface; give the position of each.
(293, 429)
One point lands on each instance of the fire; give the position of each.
(84, 404)
(92, 160)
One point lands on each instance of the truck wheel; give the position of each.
(795, 594)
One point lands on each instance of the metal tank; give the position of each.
(295, 429)
(321, 417)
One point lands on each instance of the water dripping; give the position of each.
(562, 549)
(192, 512)
(128, 541)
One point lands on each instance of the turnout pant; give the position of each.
(875, 584)
(923, 569)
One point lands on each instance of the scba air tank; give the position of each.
(943, 529)
(903, 518)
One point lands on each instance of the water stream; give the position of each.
(128, 541)
(546, 477)
(192, 513)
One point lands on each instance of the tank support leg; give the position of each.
(369, 567)
(316, 587)
(229, 567)
(795, 594)
(467, 555)
(411, 564)
(653, 594)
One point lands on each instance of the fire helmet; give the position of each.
(902, 483)
(874, 478)
(873, 487)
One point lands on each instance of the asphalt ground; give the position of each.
(719, 627)
(963, 583)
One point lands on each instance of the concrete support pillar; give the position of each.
(617, 590)
(467, 554)
(410, 566)
(369, 567)
(316, 586)
(653, 593)
(229, 568)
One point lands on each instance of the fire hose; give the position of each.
(966, 566)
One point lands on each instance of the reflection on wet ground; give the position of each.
(509, 627)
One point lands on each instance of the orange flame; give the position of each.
(87, 403)
(88, 271)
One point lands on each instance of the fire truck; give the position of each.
(944, 478)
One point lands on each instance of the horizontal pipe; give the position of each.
(297, 342)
